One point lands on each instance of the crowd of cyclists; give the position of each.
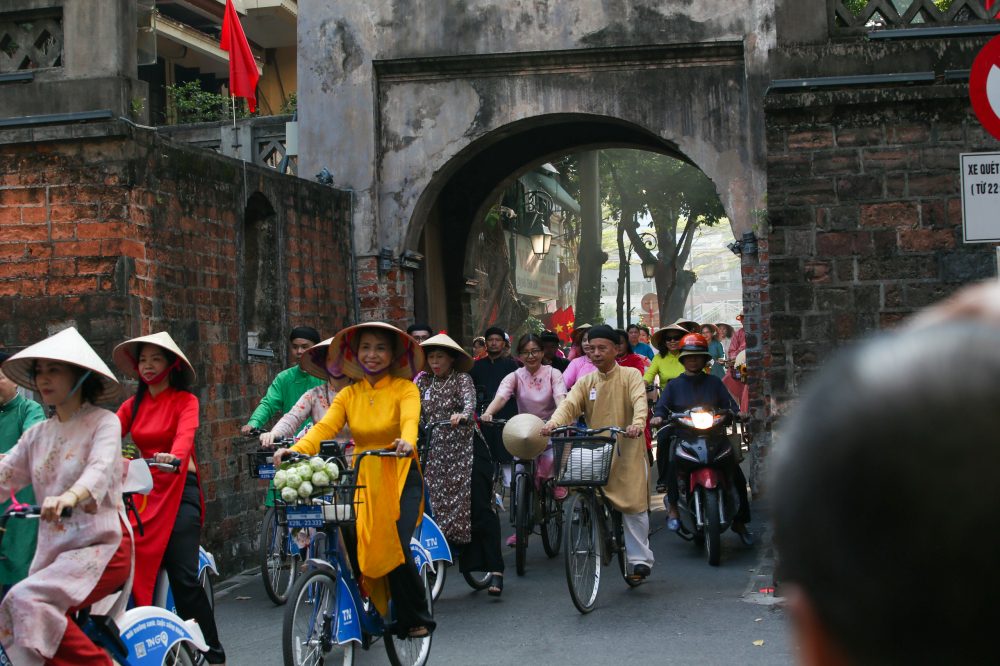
(370, 387)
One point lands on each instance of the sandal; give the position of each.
(496, 585)
(661, 488)
(417, 632)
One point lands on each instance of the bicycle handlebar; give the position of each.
(587, 432)
(172, 466)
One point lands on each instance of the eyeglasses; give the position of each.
(531, 352)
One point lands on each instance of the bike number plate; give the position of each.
(265, 471)
(304, 516)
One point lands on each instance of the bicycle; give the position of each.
(594, 532)
(328, 615)
(279, 555)
(531, 505)
(141, 636)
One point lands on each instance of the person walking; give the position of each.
(614, 396)
(289, 385)
(73, 460)
(487, 373)
(17, 414)
(382, 409)
(538, 389)
(459, 469)
(163, 418)
(315, 402)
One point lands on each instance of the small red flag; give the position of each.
(243, 74)
(569, 319)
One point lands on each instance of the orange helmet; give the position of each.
(694, 344)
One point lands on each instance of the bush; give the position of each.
(188, 103)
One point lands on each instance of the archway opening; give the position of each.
(447, 219)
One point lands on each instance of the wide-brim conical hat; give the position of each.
(688, 325)
(126, 355)
(580, 330)
(521, 438)
(741, 359)
(463, 362)
(655, 338)
(66, 346)
(408, 357)
(314, 361)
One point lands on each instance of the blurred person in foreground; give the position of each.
(860, 523)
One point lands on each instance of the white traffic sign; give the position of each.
(981, 197)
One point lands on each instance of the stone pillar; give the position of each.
(588, 299)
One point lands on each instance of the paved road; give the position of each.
(686, 613)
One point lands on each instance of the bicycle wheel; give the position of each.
(582, 551)
(622, 555)
(178, 655)
(410, 651)
(436, 580)
(552, 527)
(277, 567)
(522, 523)
(477, 580)
(310, 620)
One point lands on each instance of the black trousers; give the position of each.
(482, 553)
(663, 455)
(180, 560)
(409, 597)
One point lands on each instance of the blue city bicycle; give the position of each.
(327, 616)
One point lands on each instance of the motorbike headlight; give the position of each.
(702, 420)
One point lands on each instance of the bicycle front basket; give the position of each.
(583, 461)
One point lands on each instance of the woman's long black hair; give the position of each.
(525, 339)
(628, 344)
(91, 388)
(178, 378)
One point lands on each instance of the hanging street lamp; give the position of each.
(537, 209)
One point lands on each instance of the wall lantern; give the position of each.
(537, 208)
(649, 267)
(746, 245)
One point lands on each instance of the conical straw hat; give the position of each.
(688, 325)
(463, 363)
(66, 346)
(314, 362)
(126, 355)
(655, 338)
(521, 438)
(408, 357)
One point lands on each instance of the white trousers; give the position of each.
(636, 529)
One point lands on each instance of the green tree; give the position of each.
(670, 192)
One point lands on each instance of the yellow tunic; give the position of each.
(620, 402)
(377, 416)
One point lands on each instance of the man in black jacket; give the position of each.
(487, 373)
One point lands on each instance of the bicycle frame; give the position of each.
(353, 620)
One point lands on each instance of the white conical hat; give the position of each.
(126, 355)
(521, 438)
(463, 363)
(66, 346)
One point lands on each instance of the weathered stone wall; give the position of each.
(123, 233)
(865, 217)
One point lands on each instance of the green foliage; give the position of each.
(137, 105)
(288, 108)
(492, 217)
(188, 103)
(130, 450)
(857, 6)
(533, 325)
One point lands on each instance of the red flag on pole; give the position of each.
(243, 74)
(569, 319)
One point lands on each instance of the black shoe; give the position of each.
(746, 538)
(496, 582)
(641, 570)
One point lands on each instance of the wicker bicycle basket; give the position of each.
(582, 461)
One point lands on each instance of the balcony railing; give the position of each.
(259, 140)
(849, 17)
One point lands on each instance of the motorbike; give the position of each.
(705, 459)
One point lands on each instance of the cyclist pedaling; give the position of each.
(289, 385)
(383, 411)
(614, 396)
(696, 388)
(74, 461)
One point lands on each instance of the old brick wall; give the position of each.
(123, 232)
(864, 212)
(384, 295)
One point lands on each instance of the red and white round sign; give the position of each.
(984, 87)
